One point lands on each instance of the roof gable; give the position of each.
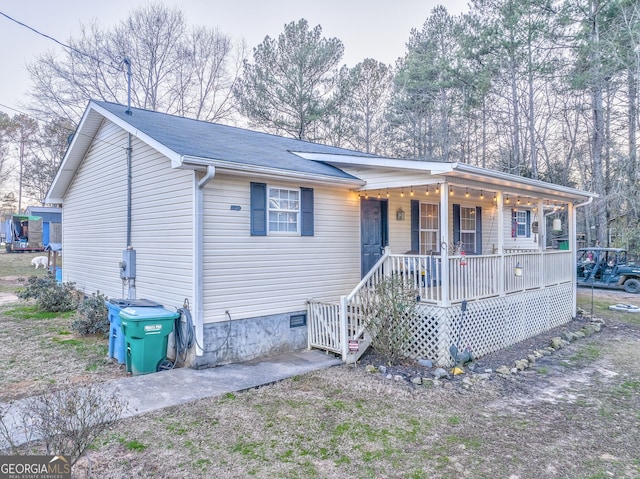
(212, 141)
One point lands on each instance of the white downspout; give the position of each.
(501, 261)
(198, 256)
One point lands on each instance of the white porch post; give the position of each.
(445, 242)
(344, 330)
(541, 242)
(500, 214)
(542, 226)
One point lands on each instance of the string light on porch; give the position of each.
(401, 192)
(518, 200)
(438, 188)
(426, 192)
(378, 194)
(495, 198)
(528, 201)
(450, 190)
(481, 195)
(466, 193)
(387, 192)
(366, 195)
(411, 194)
(506, 200)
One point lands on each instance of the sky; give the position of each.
(377, 29)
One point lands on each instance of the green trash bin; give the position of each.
(146, 332)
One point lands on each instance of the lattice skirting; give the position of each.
(488, 325)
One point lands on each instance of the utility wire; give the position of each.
(41, 34)
(49, 37)
(64, 45)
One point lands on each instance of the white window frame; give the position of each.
(521, 222)
(436, 245)
(471, 211)
(272, 210)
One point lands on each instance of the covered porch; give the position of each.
(490, 256)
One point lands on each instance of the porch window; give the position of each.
(468, 228)
(521, 223)
(429, 227)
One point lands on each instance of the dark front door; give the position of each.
(373, 232)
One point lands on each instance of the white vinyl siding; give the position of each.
(253, 276)
(519, 242)
(95, 222)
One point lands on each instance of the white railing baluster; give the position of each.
(332, 325)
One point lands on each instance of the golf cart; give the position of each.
(607, 268)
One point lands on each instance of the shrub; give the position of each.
(389, 311)
(67, 419)
(49, 295)
(92, 316)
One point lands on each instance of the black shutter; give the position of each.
(306, 210)
(528, 224)
(415, 226)
(478, 230)
(258, 209)
(456, 224)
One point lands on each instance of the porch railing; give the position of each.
(333, 326)
(477, 277)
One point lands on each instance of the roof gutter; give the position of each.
(191, 162)
(585, 203)
(508, 177)
(198, 255)
(435, 168)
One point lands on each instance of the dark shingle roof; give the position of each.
(214, 141)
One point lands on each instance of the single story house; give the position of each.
(270, 240)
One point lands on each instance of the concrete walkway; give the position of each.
(151, 392)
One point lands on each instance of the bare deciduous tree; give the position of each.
(175, 69)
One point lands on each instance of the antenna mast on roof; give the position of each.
(127, 62)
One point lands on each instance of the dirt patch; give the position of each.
(6, 298)
(8, 287)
